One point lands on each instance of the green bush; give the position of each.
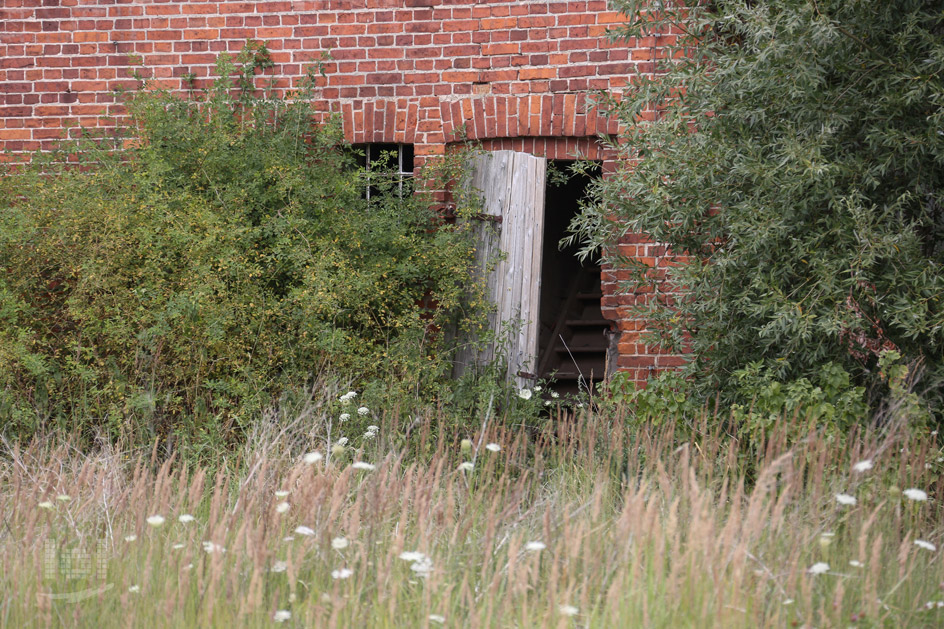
(225, 257)
(667, 395)
(793, 152)
(828, 403)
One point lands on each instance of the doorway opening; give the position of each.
(574, 338)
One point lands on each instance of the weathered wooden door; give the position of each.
(511, 185)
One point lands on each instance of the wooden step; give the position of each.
(582, 349)
(570, 376)
(583, 323)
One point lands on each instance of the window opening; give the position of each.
(387, 167)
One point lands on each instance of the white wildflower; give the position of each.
(845, 499)
(363, 465)
(211, 548)
(46, 505)
(934, 605)
(862, 466)
(436, 618)
(422, 567)
(178, 546)
(339, 543)
(282, 507)
(466, 466)
(568, 610)
(185, 518)
(304, 530)
(134, 589)
(369, 434)
(281, 494)
(363, 411)
(537, 389)
(788, 601)
(344, 417)
(279, 566)
(343, 573)
(493, 447)
(282, 615)
(920, 543)
(373, 428)
(855, 563)
(555, 394)
(130, 538)
(535, 546)
(915, 494)
(524, 394)
(342, 441)
(63, 497)
(155, 520)
(313, 457)
(411, 555)
(347, 397)
(819, 568)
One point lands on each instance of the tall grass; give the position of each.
(584, 522)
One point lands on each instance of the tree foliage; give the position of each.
(793, 151)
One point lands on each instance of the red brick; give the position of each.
(528, 74)
(498, 23)
(500, 49)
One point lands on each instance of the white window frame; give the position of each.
(386, 147)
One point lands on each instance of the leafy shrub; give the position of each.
(791, 153)
(830, 403)
(224, 257)
(667, 395)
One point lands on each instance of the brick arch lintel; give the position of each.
(526, 115)
(382, 120)
(438, 122)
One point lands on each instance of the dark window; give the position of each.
(387, 168)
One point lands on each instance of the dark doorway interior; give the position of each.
(573, 337)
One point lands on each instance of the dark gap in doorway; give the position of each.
(573, 339)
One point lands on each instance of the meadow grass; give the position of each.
(583, 521)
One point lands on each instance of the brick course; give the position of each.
(423, 72)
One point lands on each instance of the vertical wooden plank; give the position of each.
(510, 248)
(536, 191)
(519, 207)
(496, 192)
(530, 197)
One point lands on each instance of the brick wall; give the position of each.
(423, 72)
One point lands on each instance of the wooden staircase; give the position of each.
(575, 352)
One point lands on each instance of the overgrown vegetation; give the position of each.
(792, 152)
(587, 521)
(183, 280)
